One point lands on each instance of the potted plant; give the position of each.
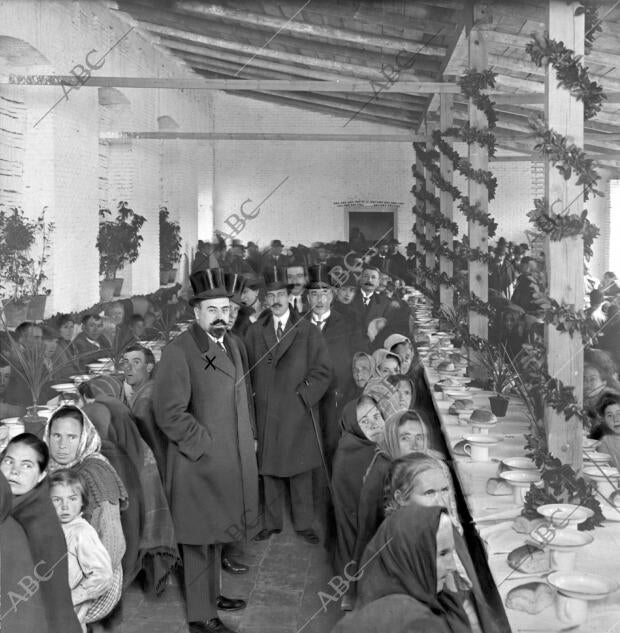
(169, 246)
(119, 242)
(500, 372)
(22, 273)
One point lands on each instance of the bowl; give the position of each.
(78, 378)
(64, 386)
(601, 472)
(596, 458)
(562, 540)
(576, 584)
(565, 515)
(517, 463)
(521, 481)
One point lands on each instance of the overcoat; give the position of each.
(201, 404)
(288, 376)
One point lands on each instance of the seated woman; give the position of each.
(386, 363)
(362, 427)
(609, 413)
(407, 566)
(405, 432)
(90, 566)
(599, 377)
(23, 464)
(74, 443)
(419, 479)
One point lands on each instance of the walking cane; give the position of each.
(317, 434)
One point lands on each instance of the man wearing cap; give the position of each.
(201, 403)
(337, 333)
(291, 372)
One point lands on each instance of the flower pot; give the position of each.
(107, 289)
(164, 276)
(36, 307)
(118, 284)
(499, 405)
(172, 277)
(15, 313)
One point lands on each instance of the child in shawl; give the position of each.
(363, 368)
(90, 566)
(386, 363)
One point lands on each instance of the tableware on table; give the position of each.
(574, 591)
(79, 378)
(477, 446)
(454, 381)
(595, 457)
(516, 463)
(455, 393)
(64, 386)
(563, 545)
(605, 477)
(564, 515)
(96, 367)
(520, 480)
(589, 443)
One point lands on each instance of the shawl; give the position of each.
(36, 514)
(379, 355)
(17, 614)
(354, 453)
(384, 394)
(401, 559)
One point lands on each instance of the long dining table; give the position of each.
(493, 518)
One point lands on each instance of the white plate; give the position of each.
(598, 458)
(576, 584)
(456, 393)
(601, 473)
(565, 513)
(520, 477)
(562, 540)
(64, 386)
(482, 440)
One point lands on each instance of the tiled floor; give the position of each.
(282, 590)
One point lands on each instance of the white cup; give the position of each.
(571, 611)
(477, 452)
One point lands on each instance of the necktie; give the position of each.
(279, 331)
(320, 324)
(220, 344)
(298, 304)
(366, 300)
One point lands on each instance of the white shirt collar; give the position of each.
(366, 295)
(217, 341)
(282, 319)
(322, 318)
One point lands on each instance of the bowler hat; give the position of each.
(276, 279)
(318, 277)
(275, 243)
(208, 284)
(254, 282)
(234, 285)
(237, 243)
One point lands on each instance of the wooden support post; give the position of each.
(446, 293)
(479, 158)
(564, 259)
(419, 222)
(429, 227)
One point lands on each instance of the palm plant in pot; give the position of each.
(500, 371)
(169, 246)
(22, 270)
(119, 243)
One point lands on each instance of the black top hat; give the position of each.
(238, 243)
(254, 282)
(275, 279)
(208, 284)
(318, 277)
(234, 285)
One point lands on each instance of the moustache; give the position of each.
(276, 305)
(219, 322)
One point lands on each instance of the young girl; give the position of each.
(609, 412)
(90, 566)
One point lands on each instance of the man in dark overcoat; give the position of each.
(201, 403)
(368, 303)
(291, 372)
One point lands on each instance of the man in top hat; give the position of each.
(291, 372)
(337, 333)
(201, 401)
(297, 277)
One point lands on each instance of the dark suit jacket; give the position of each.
(305, 306)
(86, 352)
(379, 307)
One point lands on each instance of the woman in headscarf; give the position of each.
(23, 464)
(420, 480)
(385, 363)
(404, 433)
(406, 567)
(363, 366)
(74, 443)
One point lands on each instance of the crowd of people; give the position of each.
(293, 371)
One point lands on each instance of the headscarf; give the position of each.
(379, 355)
(367, 357)
(384, 394)
(101, 478)
(392, 425)
(402, 559)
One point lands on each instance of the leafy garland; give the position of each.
(566, 158)
(571, 73)
(472, 83)
(592, 22)
(558, 226)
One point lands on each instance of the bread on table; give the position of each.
(446, 365)
(482, 416)
(460, 405)
(497, 487)
(532, 597)
(529, 559)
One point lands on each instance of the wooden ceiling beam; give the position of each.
(261, 136)
(313, 31)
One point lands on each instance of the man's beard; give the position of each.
(217, 329)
